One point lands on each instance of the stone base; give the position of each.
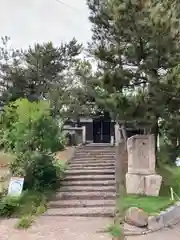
(148, 185)
(152, 185)
(135, 184)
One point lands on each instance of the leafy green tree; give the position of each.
(29, 126)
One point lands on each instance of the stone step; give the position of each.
(87, 189)
(74, 172)
(88, 183)
(81, 203)
(81, 212)
(87, 167)
(93, 165)
(90, 177)
(99, 145)
(94, 154)
(97, 148)
(84, 195)
(94, 158)
(97, 161)
(98, 152)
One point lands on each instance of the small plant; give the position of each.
(115, 230)
(41, 209)
(24, 222)
(9, 205)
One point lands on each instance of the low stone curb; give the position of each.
(165, 219)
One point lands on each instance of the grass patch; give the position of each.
(31, 203)
(24, 222)
(171, 178)
(151, 205)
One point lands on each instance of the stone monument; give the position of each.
(141, 177)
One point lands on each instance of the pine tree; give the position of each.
(32, 73)
(136, 43)
(45, 63)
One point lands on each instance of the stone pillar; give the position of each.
(141, 154)
(158, 142)
(117, 134)
(112, 140)
(141, 177)
(83, 134)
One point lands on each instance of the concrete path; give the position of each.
(57, 228)
(166, 234)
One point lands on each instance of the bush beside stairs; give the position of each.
(88, 189)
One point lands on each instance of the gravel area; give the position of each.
(58, 228)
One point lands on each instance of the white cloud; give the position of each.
(29, 21)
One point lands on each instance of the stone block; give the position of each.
(136, 217)
(152, 185)
(141, 154)
(135, 184)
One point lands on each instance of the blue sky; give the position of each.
(29, 21)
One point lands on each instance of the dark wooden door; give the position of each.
(106, 131)
(97, 130)
(101, 130)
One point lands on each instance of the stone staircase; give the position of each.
(88, 189)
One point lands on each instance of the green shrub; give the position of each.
(9, 205)
(38, 170)
(24, 222)
(29, 126)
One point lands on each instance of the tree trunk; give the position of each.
(155, 131)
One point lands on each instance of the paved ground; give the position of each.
(166, 234)
(65, 228)
(57, 228)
